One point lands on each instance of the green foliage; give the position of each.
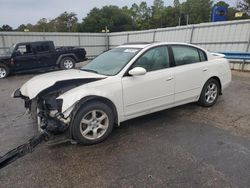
(141, 15)
(198, 11)
(6, 28)
(137, 17)
(113, 17)
(157, 13)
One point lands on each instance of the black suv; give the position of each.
(40, 55)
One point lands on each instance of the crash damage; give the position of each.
(46, 108)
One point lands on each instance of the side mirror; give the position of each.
(137, 71)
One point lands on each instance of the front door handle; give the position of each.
(170, 78)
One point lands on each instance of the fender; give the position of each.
(96, 98)
(66, 55)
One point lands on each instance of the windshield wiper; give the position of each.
(89, 70)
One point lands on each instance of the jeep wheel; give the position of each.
(93, 123)
(4, 71)
(67, 63)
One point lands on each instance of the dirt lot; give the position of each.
(187, 146)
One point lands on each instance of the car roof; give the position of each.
(148, 44)
(34, 42)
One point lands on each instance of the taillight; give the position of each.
(12, 62)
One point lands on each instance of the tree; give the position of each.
(177, 3)
(197, 11)
(157, 13)
(65, 22)
(6, 28)
(113, 17)
(244, 5)
(222, 4)
(141, 15)
(42, 25)
(21, 27)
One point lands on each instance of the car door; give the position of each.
(25, 58)
(189, 73)
(152, 91)
(45, 58)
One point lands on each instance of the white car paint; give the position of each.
(38, 83)
(138, 95)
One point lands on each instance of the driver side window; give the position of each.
(154, 59)
(24, 49)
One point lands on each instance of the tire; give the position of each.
(4, 71)
(67, 63)
(210, 93)
(93, 123)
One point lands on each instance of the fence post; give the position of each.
(44, 37)
(107, 41)
(127, 37)
(4, 44)
(248, 44)
(191, 35)
(154, 33)
(79, 41)
(247, 48)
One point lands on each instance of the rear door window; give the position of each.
(42, 48)
(184, 55)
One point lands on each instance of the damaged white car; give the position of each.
(126, 82)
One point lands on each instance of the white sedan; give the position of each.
(123, 83)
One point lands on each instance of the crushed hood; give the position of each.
(39, 83)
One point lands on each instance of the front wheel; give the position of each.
(93, 123)
(4, 71)
(67, 63)
(210, 93)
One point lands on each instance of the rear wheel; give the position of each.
(93, 123)
(4, 71)
(67, 63)
(210, 93)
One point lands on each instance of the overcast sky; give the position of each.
(17, 12)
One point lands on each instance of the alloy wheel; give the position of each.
(211, 93)
(94, 124)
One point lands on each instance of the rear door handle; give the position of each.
(205, 69)
(170, 78)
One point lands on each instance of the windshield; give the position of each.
(111, 62)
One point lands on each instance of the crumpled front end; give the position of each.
(46, 107)
(46, 110)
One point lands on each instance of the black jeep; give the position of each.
(30, 56)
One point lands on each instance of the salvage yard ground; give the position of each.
(187, 146)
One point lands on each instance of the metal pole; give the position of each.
(79, 40)
(128, 38)
(179, 21)
(191, 35)
(187, 19)
(107, 38)
(154, 35)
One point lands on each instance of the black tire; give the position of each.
(85, 112)
(208, 95)
(67, 63)
(4, 71)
